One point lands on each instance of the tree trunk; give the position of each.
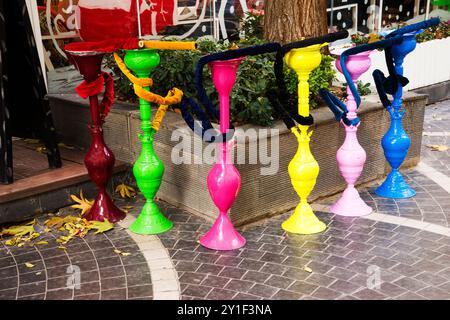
(287, 21)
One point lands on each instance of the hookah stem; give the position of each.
(95, 115)
(351, 104)
(303, 94)
(397, 102)
(146, 114)
(224, 113)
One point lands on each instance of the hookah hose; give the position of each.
(415, 27)
(208, 133)
(288, 115)
(173, 97)
(388, 85)
(107, 46)
(105, 80)
(336, 105)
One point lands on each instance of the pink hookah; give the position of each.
(351, 156)
(224, 180)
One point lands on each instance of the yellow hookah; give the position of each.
(303, 57)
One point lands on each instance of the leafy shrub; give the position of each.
(437, 32)
(252, 26)
(363, 89)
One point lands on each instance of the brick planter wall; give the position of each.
(185, 185)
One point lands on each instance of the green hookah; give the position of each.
(148, 169)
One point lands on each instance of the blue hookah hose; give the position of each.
(389, 85)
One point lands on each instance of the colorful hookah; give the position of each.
(396, 142)
(351, 156)
(303, 57)
(223, 180)
(149, 169)
(99, 160)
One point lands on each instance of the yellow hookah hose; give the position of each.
(167, 45)
(173, 96)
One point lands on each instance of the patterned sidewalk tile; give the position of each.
(345, 260)
(88, 269)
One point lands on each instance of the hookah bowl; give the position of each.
(396, 141)
(303, 169)
(99, 160)
(351, 156)
(148, 169)
(224, 180)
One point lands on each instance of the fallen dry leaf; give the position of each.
(31, 141)
(41, 149)
(438, 147)
(54, 222)
(11, 242)
(307, 269)
(100, 226)
(29, 265)
(82, 203)
(125, 191)
(63, 145)
(21, 230)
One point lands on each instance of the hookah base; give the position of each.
(395, 187)
(103, 208)
(350, 204)
(222, 235)
(150, 221)
(303, 221)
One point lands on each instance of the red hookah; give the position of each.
(99, 160)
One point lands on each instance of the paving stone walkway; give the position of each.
(402, 251)
(103, 274)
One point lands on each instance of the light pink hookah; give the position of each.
(351, 156)
(224, 180)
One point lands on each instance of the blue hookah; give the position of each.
(396, 141)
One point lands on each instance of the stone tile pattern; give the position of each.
(437, 121)
(431, 203)
(413, 264)
(104, 274)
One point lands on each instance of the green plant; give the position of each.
(438, 32)
(359, 39)
(363, 89)
(252, 26)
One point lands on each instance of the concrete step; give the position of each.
(38, 189)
